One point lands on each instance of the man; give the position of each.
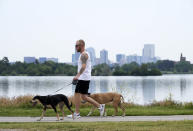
(83, 77)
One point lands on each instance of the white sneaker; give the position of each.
(102, 109)
(76, 116)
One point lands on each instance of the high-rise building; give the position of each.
(42, 59)
(92, 54)
(149, 50)
(148, 53)
(134, 58)
(75, 57)
(120, 59)
(29, 59)
(104, 56)
(97, 61)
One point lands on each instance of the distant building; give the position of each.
(42, 59)
(149, 50)
(53, 59)
(92, 54)
(29, 60)
(75, 57)
(149, 53)
(134, 58)
(182, 58)
(120, 59)
(104, 56)
(97, 61)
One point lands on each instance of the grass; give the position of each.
(132, 111)
(21, 106)
(103, 126)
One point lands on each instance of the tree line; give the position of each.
(36, 69)
(133, 69)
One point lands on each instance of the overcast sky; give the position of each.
(50, 28)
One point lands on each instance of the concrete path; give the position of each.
(99, 119)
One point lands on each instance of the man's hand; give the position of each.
(76, 77)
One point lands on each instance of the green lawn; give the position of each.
(103, 126)
(130, 111)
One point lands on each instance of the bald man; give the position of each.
(83, 77)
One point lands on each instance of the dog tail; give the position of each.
(68, 105)
(122, 99)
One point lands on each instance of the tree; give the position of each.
(165, 65)
(101, 70)
(183, 66)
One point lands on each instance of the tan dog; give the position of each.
(104, 98)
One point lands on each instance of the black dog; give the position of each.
(53, 101)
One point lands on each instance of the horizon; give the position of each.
(49, 28)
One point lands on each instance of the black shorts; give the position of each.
(82, 86)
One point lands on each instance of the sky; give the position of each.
(50, 28)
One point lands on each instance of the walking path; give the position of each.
(99, 119)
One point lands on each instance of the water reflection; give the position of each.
(140, 90)
(104, 85)
(4, 86)
(182, 86)
(148, 91)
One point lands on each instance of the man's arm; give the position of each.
(84, 58)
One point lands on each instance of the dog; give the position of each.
(53, 101)
(104, 98)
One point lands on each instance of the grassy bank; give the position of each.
(104, 126)
(21, 106)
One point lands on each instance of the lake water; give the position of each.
(137, 89)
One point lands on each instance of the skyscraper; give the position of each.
(92, 54)
(149, 50)
(134, 58)
(104, 56)
(120, 59)
(75, 57)
(148, 53)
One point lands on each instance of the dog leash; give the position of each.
(74, 82)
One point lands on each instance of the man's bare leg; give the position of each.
(77, 102)
(90, 100)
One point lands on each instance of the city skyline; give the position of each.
(91, 50)
(29, 28)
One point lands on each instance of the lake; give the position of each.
(138, 89)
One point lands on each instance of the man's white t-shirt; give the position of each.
(86, 75)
